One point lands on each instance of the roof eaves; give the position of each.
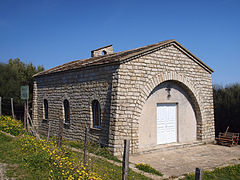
(84, 64)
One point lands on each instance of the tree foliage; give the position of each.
(227, 107)
(12, 76)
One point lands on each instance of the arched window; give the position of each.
(45, 109)
(96, 112)
(66, 111)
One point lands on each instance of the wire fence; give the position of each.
(99, 159)
(6, 108)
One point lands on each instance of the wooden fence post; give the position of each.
(85, 147)
(0, 106)
(125, 159)
(28, 124)
(33, 127)
(12, 108)
(60, 132)
(49, 129)
(25, 115)
(198, 174)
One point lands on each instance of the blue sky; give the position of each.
(53, 32)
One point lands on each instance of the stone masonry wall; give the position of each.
(80, 87)
(122, 91)
(138, 77)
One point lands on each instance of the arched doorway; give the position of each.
(169, 115)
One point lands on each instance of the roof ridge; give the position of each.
(117, 57)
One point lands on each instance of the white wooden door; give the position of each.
(166, 123)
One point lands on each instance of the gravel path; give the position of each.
(2, 171)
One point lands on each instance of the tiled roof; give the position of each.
(113, 58)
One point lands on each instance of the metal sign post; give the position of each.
(25, 96)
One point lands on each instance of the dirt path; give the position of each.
(2, 171)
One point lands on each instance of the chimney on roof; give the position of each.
(102, 51)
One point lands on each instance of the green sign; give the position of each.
(24, 92)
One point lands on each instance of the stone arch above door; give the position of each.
(184, 82)
(167, 116)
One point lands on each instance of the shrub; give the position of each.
(11, 126)
(148, 168)
(226, 108)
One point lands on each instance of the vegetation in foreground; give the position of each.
(148, 168)
(29, 158)
(93, 148)
(11, 126)
(231, 172)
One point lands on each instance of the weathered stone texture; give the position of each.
(138, 77)
(122, 91)
(80, 87)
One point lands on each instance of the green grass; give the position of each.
(231, 172)
(109, 171)
(147, 168)
(105, 169)
(12, 155)
(93, 148)
(37, 166)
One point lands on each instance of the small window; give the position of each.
(96, 112)
(45, 109)
(66, 111)
(104, 52)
